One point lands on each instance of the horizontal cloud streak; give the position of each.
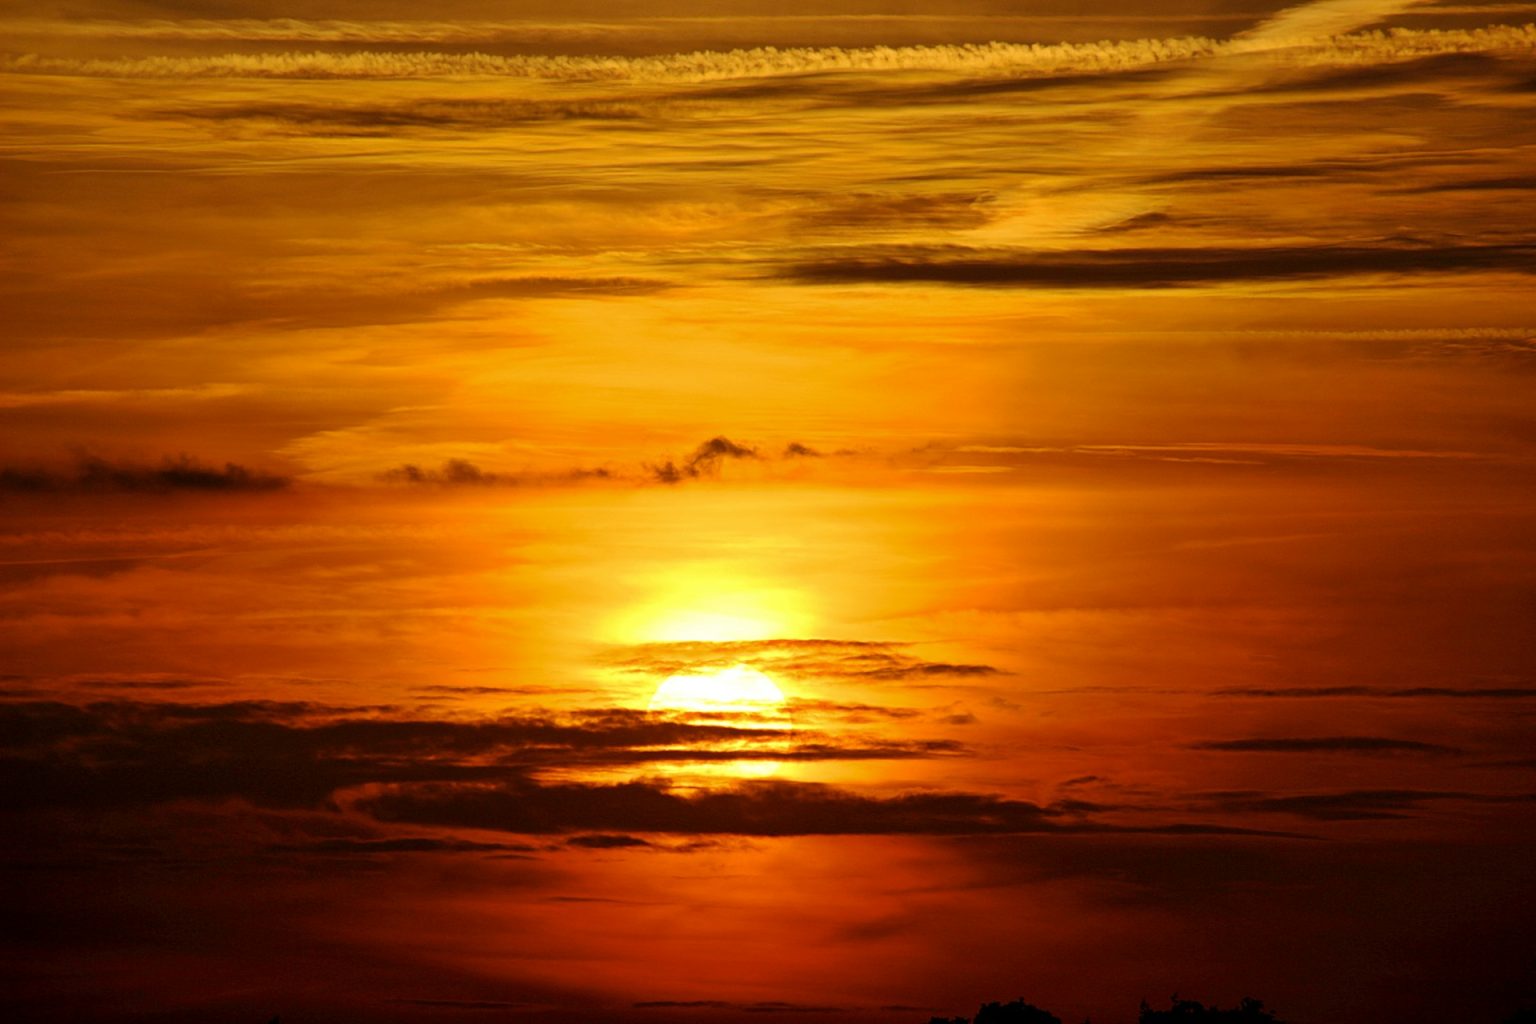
(463, 473)
(294, 753)
(753, 809)
(1155, 268)
(404, 844)
(1385, 693)
(444, 114)
(798, 658)
(182, 473)
(1326, 745)
(1353, 805)
(1004, 59)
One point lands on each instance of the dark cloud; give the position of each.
(33, 570)
(463, 473)
(320, 725)
(1325, 745)
(111, 753)
(461, 1004)
(38, 723)
(178, 473)
(751, 647)
(1386, 693)
(944, 668)
(1353, 805)
(888, 751)
(1083, 780)
(1153, 268)
(1254, 172)
(426, 115)
(411, 844)
(454, 473)
(801, 751)
(607, 842)
(705, 460)
(768, 1006)
(1413, 75)
(764, 809)
(1473, 185)
(809, 658)
(150, 684)
(850, 711)
(443, 689)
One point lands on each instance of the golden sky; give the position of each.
(737, 512)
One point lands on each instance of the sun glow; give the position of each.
(711, 603)
(711, 626)
(738, 692)
(740, 697)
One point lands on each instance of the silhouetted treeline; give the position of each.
(1249, 1011)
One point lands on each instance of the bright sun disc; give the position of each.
(737, 691)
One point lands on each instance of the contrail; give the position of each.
(1166, 127)
(1320, 19)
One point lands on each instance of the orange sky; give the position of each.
(1110, 432)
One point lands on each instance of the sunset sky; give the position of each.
(766, 511)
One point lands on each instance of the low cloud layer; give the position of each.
(112, 753)
(1325, 745)
(1384, 692)
(494, 775)
(750, 809)
(1354, 805)
(854, 660)
(1159, 268)
(182, 473)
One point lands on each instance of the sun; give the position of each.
(739, 697)
(738, 693)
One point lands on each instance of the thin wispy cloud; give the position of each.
(1354, 805)
(1325, 745)
(869, 660)
(1384, 692)
(992, 58)
(1319, 19)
